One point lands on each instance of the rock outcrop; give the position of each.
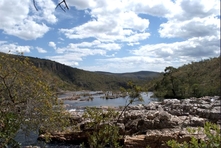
(157, 122)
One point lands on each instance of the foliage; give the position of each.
(73, 78)
(69, 78)
(193, 80)
(213, 139)
(27, 100)
(104, 131)
(103, 123)
(134, 95)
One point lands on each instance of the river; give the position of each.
(98, 100)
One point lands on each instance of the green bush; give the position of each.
(213, 139)
(104, 131)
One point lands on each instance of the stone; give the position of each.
(170, 101)
(156, 122)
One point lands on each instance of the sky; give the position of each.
(113, 35)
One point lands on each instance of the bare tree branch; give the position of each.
(35, 5)
(66, 6)
(59, 4)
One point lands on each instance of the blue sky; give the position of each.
(113, 35)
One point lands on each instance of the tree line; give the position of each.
(195, 79)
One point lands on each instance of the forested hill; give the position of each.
(138, 75)
(67, 77)
(192, 80)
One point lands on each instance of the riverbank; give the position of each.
(155, 123)
(81, 99)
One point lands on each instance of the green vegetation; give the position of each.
(104, 123)
(104, 131)
(212, 140)
(77, 79)
(192, 80)
(27, 100)
(69, 78)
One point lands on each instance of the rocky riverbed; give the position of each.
(155, 123)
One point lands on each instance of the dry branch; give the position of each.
(59, 4)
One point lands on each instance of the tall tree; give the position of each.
(27, 101)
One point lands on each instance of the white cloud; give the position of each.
(27, 30)
(52, 44)
(70, 59)
(196, 27)
(19, 18)
(129, 64)
(84, 4)
(96, 44)
(112, 21)
(46, 11)
(119, 22)
(71, 48)
(189, 9)
(61, 39)
(195, 19)
(41, 50)
(159, 8)
(13, 48)
(111, 29)
(189, 50)
(72, 53)
(114, 25)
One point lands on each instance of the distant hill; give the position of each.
(138, 75)
(195, 79)
(77, 79)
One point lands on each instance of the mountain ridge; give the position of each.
(76, 79)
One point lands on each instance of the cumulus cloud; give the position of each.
(190, 50)
(96, 44)
(195, 19)
(27, 30)
(159, 8)
(194, 23)
(41, 50)
(52, 44)
(73, 53)
(111, 21)
(188, 31)
(129, 64)
(189, 9)
(70, 59)
(13, 48)
(196, 27)
(19, 18)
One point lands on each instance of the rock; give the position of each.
(170, 101)
(157, 138)
(135, 141)
(196, 121)
(151, 114)
(152, 106)
(32, 147)
(156, 122)
(131, 127)
(163, 115)
(121, 128)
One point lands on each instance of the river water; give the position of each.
(98, 100)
